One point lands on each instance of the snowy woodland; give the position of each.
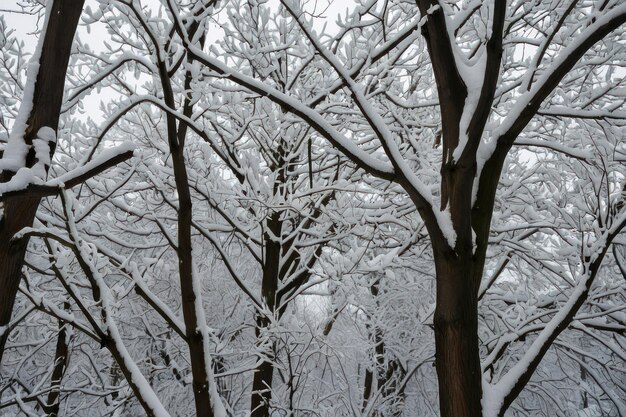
(285, 208)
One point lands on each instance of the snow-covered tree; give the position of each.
(429, 199)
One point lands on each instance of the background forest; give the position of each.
(262, 208)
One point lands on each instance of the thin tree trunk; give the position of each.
(195, 338)
(190, 300)
(19, 212)
(386, 369)
(368, 383)
(379, 366)
(263, 375)
(60, 364)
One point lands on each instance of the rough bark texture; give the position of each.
(459, 269)
(19, 212)
(456, 341)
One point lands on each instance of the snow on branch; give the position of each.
(324, 128)
(14, 155)
(528, 104)
(498, 397)
(86, 256)
(24, 182)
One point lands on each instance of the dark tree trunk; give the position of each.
(368, 383)
(195, 339)
(19, 212)
(262, 390)
(458, 274)
(263, 375)
(60, 364)
(456, 341)
(177, 135)
(386, 369)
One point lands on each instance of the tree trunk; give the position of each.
(60, 364)
(262, 390)
(19, 212)
(385, 368)
(263, 375)
(190, 300)
(456, 340)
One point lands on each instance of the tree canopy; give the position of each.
(251, 208)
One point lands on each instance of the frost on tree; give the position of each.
(418, 211)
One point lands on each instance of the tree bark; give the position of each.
(262, 390)
(195, 338)
(19, 212)
(456, 340)
(60, 364)
(263, 375)
(190, 301)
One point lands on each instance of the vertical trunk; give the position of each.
(456, 339)
(18, 213)
(263, 375)
(584, 398)
(60, 363)
(386, 369)
(47, 98)
(190, 300)
(368, 383)
(262, 390)
(376, 336)
(115, 374)
(195, 339)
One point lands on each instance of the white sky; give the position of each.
(26, 27)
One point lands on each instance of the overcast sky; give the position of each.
(26, 27)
